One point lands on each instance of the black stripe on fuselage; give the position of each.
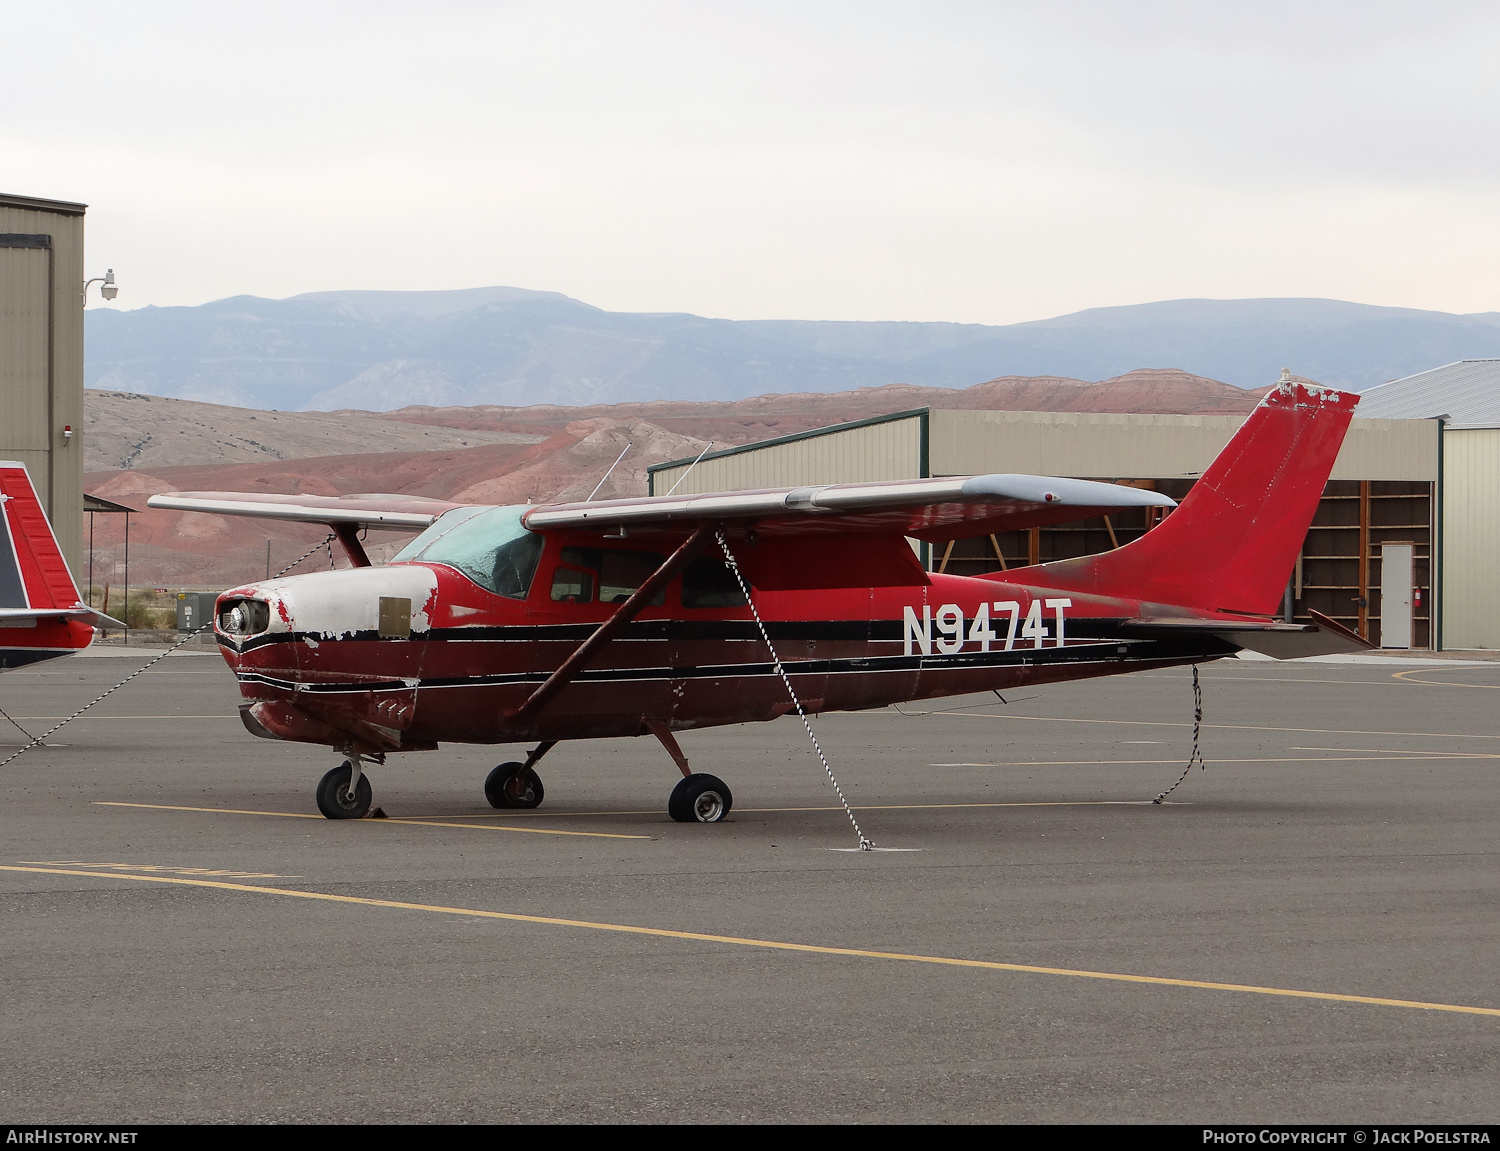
(858, 631)
(729, 630)
(1133, 651)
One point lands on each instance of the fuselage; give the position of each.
(406, 655)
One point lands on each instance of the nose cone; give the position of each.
(326, 658)
(358, 604)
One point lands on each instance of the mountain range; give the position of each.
(378, 351)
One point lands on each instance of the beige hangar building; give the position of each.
(41, 355)
(1400, 488)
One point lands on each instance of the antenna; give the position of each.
(607, 474)
(691, 466)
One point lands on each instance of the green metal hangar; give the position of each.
(1464, 400)
(1366, 560)
(41, 355)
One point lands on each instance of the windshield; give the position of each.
(488, 545)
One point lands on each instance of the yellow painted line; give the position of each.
(1224, 759)
(416, 822)
(1206, 726)
(214, 810)
(1406, 677)
(1290, 681)
(1395, 753)
(941, 806)
(151, 868)
(540, 814)
(775, 945)
(503, 827)
(829, 807)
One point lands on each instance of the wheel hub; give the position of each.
(517, 788)
(708, 807)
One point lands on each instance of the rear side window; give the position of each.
(707, 582)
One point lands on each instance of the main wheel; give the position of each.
(337, 801)
(513, 785)
(700, 798)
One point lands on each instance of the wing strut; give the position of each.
(607, 631)
(348, 535)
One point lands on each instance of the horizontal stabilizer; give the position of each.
(29, 616)
(1274, 638)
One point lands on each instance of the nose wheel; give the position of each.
(700, 798)
(340, 796)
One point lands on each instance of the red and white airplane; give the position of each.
(628, 617)
(42, 616)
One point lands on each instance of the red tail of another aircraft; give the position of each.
(1231, 544)
(41, 613)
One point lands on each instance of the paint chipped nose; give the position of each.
(357, 603)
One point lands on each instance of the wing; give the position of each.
(815, 537)
(387, 512)
(927, 509)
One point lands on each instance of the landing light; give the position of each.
(244, 617)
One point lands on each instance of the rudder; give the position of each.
(33, 573)
(1230, 545)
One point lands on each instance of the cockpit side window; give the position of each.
(619, 574)
(488, 545)
(570, 585)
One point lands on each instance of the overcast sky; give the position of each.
(979, 162)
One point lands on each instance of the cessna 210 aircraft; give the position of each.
(42, 616)
(642, 616)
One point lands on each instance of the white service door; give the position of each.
(1395, 595)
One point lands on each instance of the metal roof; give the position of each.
(100, 504)
(1466, 392)
(36, 204)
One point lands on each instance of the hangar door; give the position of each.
(25, 354)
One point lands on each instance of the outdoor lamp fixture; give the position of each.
(107, 288)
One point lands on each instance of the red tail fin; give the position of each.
(1231, 544)
(33, 573)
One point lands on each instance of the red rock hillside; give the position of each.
(550, 453)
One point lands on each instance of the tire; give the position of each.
(334, 800)
(700, 798)
(514, 785)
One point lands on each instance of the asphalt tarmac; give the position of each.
(1306, 932)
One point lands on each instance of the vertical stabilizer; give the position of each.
(1230, 545)
(33, 573)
